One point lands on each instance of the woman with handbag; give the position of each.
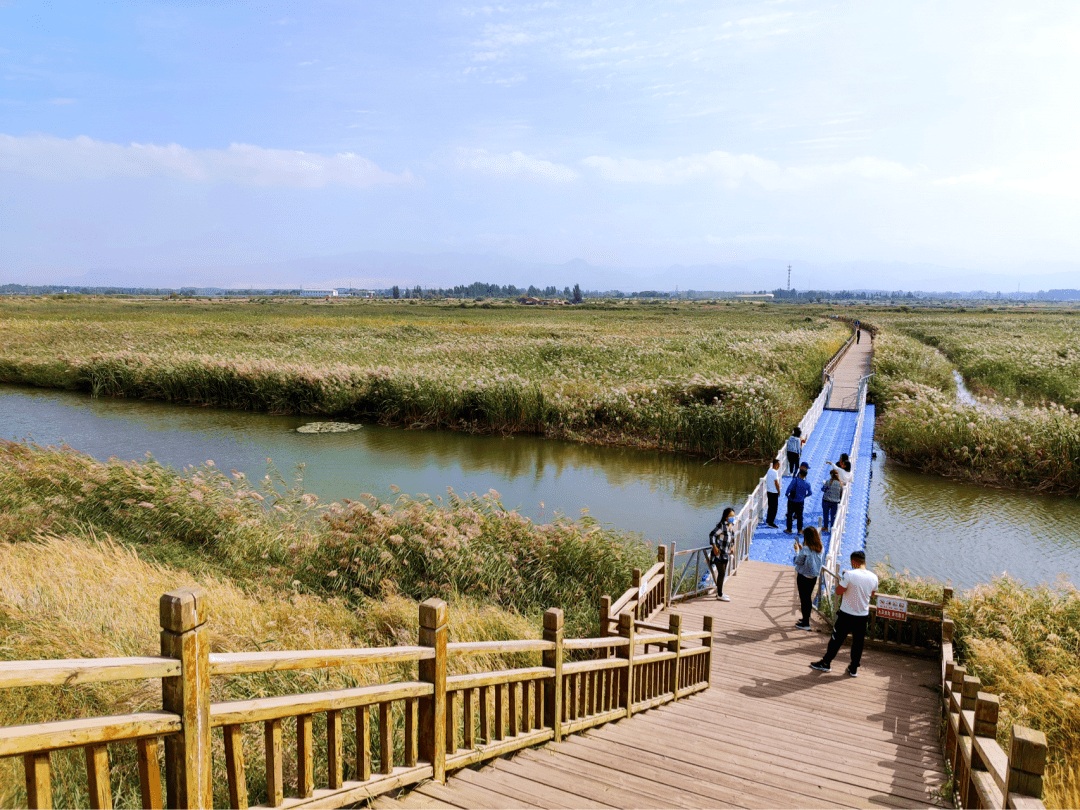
(807, 562)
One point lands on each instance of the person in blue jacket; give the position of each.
(797, 492)
(807, 562)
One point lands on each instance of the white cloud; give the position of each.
(734, 170)
(62, 101)
(985, 176)
(49, 157)
(514, 166)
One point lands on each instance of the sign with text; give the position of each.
(890, 607)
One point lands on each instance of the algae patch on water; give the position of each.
(327, 427)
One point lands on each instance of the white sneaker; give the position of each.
(724, 597)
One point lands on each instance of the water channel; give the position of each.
(927, 525)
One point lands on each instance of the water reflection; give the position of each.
(925, 524)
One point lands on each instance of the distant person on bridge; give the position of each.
(721, 539)
(807, 562)
(856, 588)
(794, 447)
(797, 492)
(832, 489)
(843, 467)
(772, 492)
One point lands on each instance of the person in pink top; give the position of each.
(856, 588)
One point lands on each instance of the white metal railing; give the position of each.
(836, 539)
(754, 508)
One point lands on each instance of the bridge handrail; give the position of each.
(826, 373)
(836, 538)
(984, 775)
(449, 721)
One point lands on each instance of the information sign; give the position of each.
(890, 607)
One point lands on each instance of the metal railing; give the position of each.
(836, 538)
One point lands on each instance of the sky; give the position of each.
(235, 143)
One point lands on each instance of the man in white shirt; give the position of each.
(856, 588)
(772, 492)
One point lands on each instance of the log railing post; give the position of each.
(675, 627)
(605, 624)
(661, 557)
(635, 581)
(1027, 762)
(669, 575)
(962, 768)
(985, 725)
(184, 636)
(626, 683)
(432, 716)
(706, 625)
(553, 686)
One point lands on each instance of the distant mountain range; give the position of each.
(381, 270)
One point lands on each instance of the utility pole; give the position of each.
(789, 278)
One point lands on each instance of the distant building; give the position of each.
(317, 293)
(756, 296)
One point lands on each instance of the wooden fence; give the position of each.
(448, 721)
(984, 775)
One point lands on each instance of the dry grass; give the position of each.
(67, 597)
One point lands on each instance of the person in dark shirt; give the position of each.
(797, 492)
(721, 539)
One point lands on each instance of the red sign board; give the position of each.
(890, 607)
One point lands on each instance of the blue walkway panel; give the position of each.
(832, 435)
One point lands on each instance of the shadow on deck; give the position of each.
(770, 732)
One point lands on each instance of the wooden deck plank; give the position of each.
(745, 742)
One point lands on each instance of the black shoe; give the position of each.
(853, 673)
(821, 666)
(787, 531)
(801, 626)
(772, 525)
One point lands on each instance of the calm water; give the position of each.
(927, 525)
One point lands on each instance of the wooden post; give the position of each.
(626, 683)
(635, 581)
(675, 626)
(38, 770)
(97, 777)
(432, 720)
(1027, 762)
(184, 636)
(706, 625)
(669, 575)
(149, 773)
(985, 725)
(234, 768)
(661, 557)
(553, 686)
(305, 757)
(605, 624)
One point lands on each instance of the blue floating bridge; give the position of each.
(833, 434)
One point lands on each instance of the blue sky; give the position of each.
(186, 141)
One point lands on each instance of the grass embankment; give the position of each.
(89, 548)
(724, 381)
(1031, 443)
(1023, 643)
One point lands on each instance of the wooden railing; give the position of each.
(446, 721)
(984, 775)
(646, 596)
(826, 373)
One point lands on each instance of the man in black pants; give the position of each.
(772, 492)
(794, 447)
(856, 588)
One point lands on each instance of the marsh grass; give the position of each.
(719, 381)
(1024, 643)
(1010, 443)
(89, 547)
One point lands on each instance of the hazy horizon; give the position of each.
(925, 146)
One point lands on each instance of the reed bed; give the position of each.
(1000, 442)
(88, 548)
(723, 381)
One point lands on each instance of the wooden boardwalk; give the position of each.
(770, 732)
(856, 363)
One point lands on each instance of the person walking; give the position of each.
(721, 539)
(832, 489)
(797, 492)
(807, 561)
(772, 492)
(794, 447)
(856, 588)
